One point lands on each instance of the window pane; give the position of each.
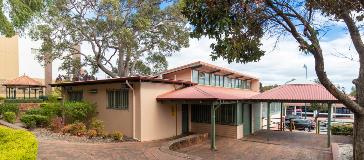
(195, 76)
(207, 79)
(212, 80)
(248, 84)
(201, 78)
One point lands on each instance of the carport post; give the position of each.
(329, 126)
(213, 138)
(268, 116)
(281, 129)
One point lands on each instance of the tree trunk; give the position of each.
(358, 137)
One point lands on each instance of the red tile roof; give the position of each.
(23, 81)
(123, 79)
(199, 92)
(296, 93)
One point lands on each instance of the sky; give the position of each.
(279, 65)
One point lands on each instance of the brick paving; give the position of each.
(268, 145)
(260, 146)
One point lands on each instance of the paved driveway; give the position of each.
(268, 145)
(261, 146)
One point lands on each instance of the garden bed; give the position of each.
(45, 134)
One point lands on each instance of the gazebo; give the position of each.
(29, 87)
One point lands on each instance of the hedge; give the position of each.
(342, 129)
(10, 117)
(32, 121)
(23, 100)
(17, 144)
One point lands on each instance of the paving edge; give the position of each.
(183, 142)
(7, 124)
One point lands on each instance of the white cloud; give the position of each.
(280, 65)
(276, 67)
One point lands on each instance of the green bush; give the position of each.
(54, 96)
(98, 126)
(9, 107)
(343, 129)
(79, 111)
(32, 121)
(23, 101)
(117, 136)
(17, 144)
(10, 117)
(2, 98)
(77, 129)
(47, 109)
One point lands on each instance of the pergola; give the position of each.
(298, 93)
(24, 83)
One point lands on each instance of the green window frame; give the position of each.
(201, 78)
(75, 96)
(195, 76)
(226, 114)
(213, 80)
(118, 98)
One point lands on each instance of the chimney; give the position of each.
(47, 74)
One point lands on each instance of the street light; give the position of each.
(305, 67)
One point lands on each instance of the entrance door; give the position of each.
(247, 119)
(184, 118)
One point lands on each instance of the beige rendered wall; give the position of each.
(185, 75)
(255, 85)
(9, 53)
(157, 119)
(235, 132)
(114, 119)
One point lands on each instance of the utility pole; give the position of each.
(305, 66)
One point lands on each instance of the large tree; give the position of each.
(16, 14)
(125, 37)
(238, 27)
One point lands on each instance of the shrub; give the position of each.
(2, 98)
(23, 100)
(9, 107)
(98, 126)
(342, 129)
(51, 109)
(54, 96)
(91, 133)
(76, 129)
(10, 117)
(79, 111)
(117, 136)
(56, 124)
(32, 121)
(17, 144)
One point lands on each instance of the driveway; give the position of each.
(263, 145)
(268, 145)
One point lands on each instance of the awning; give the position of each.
(200, 92)
(291, 93)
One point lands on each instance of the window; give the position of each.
(212, 80)
(195, 76)
(201, 78)
(217, 77)
(226, 114)
(118, 99)
(75, 95)
(207, 79)
(248, 84)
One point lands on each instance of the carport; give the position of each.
(297, 93)
(214, 97)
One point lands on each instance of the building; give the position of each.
(180, 100)
(9, 61)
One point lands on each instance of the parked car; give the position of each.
(287, 119)
(304, 124)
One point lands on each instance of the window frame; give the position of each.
(118, 97)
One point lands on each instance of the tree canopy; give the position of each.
(126, 37)
(238, 27)
(16, 14)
